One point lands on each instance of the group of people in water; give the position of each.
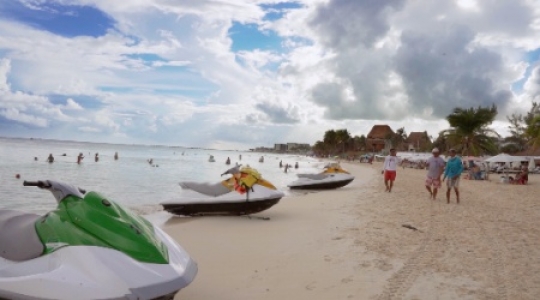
(80, 157)
(287, 166)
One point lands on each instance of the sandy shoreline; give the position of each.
(350, 244)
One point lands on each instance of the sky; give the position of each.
(236, 74)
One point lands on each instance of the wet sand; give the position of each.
(350, 243)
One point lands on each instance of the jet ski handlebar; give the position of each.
(39, 184)
(46, 185)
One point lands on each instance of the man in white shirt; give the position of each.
(389, 169)
(435, 166)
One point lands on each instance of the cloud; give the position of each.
(89, 129)
(400, 59)
(168, 70)
(278, 114)
(71, 104)
(441, 71)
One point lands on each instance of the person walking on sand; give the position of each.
(435, 166)
(453, 170)
(389, 169)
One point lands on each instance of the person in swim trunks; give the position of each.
(453, 170)
(435, 166)
(389, 169)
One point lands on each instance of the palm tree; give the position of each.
(533, 132)
(342, 138)
(525, 129)
(330, 139)
(469, 130)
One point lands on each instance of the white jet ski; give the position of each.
(245, 192)
(332, 177)
(89, 247)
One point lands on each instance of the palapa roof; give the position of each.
(379, 132)
(417, 136)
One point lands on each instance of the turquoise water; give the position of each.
(130, 180)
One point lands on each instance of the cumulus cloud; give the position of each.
(15, 115)
(167, 69)
(279, 114)
(400, 59)
(440, 71)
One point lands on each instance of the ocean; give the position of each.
(130, 180)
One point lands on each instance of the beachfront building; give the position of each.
(418, 141)
(280, 147)
(378, 139)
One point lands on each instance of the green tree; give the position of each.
(330, 140)
(398, 138)
(524, 131)
(441, 142)
(533, 133)
(342, 139)
(359, 142)
(469, 131)
(320, 148)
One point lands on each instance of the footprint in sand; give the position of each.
(347, 279)
(310, 286)
(384, 266)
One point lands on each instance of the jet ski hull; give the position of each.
(220, 208)
(89, 272)
(321, 185)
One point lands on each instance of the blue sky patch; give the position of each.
(67, 21)
(533, 58)
(248, 37)
(84, 101)
(276, 11)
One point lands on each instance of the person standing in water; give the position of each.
(80, 158)
(228, 162)
(389, 169)
(115, 155)
(50, 159)
(96, 158)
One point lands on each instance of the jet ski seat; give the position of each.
(213, 190)
(19, 240)
(313, 176)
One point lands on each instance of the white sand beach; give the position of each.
(350, 243)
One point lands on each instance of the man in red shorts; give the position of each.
(435, 166)
(389, 169)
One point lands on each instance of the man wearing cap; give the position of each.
(435, 166)
(389, 169)
(453, 170)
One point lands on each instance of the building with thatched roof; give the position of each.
(378, 138)
(418, 141)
